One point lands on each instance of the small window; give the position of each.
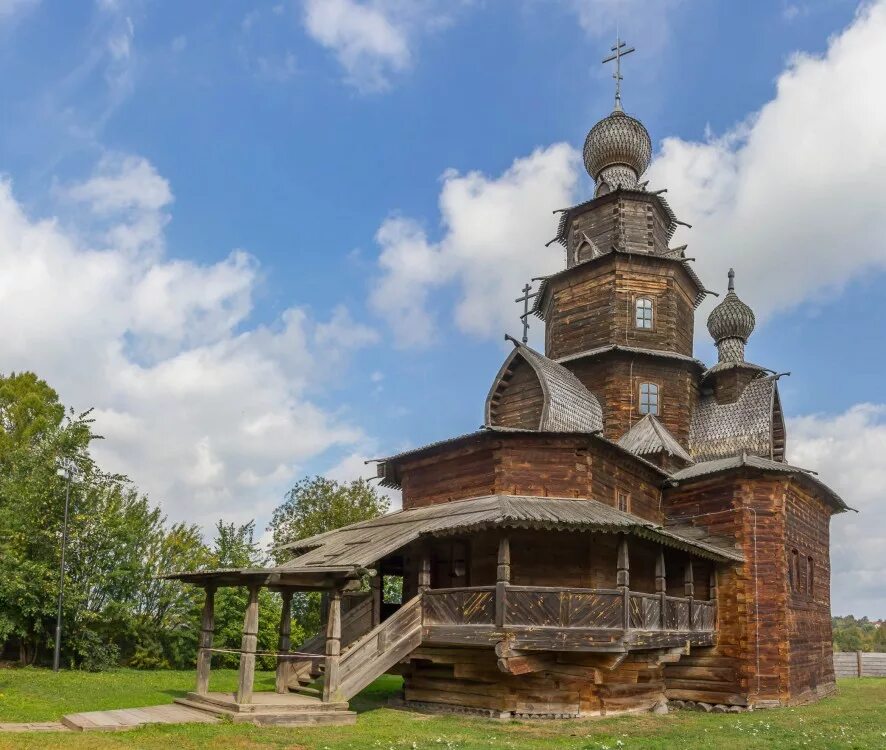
(795, 570)
(648, 398)
(623, 501)
(643, 315)
(810, 578)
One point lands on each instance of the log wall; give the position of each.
(519, 400)
(572, 684)
(594, 306)
(531, 464)
(615, 379)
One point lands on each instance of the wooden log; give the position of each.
(503, 578)
(376, 584)
(246, 676)
(207, 632)
(333, 648)
(283, 645)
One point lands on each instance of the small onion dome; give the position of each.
(732, 318)
(617, 150)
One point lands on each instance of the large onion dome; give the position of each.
(617, 151)
(731, 324)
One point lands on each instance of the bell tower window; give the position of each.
(648, 398)
(643, 313)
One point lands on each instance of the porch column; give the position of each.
(207, 631)
(502, 579)
(623, 579)
(689, 586)
(661, 588)
(283, 663)
(246, 678)
(333, 647)
(424, 570)
(713, 590)
(376, 587)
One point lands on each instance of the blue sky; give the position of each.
(269, 239)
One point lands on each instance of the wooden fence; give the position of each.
(859, 664)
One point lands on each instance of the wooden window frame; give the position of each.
(627, 496)
(640, 384)
(653, 315)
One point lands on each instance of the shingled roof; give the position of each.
(746, 425)
(649, 436)
(566, 405)
(743, 460)
(362, 544)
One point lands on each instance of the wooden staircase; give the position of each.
(354, 623)
(380, 649)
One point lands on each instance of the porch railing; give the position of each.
(545, 606)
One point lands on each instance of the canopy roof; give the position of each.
(364, 543)
(649, 436)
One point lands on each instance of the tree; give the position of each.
(314, 506)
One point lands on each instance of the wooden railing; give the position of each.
(547, 606)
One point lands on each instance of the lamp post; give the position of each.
(67, 472)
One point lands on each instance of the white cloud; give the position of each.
(645, 24)
(211, 415)
(792, 197)
(847, 450)
(374, 40)
(494, 230)
(11, 8)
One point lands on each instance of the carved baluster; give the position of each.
(246, 677)
(207, 631)
(284, 643)
(333, 648)
(689, 586)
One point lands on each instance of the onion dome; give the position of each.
(731, 324)
(617, 151)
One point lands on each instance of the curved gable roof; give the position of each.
(750, 424)
(565, 404)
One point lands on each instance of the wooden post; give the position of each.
(248, 644)
(333, 647)
(207, 631)
(661, 588)
(376, 586)
(424, 570)
(689, 586)
(623, 579)
(859, 663)
(284, 643)
(713, 587)
(502, 579)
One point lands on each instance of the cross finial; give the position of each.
(525, 316)
(731, 275)
(619, 52)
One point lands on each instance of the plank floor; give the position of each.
(127, 718)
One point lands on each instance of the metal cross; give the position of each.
(619, 52)
(525, 316)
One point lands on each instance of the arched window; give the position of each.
(643, 313)
(648, 398)
(810, 578)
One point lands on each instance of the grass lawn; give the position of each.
(856, 718)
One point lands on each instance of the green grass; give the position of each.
(855, 718)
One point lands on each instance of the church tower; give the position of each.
(621, 315)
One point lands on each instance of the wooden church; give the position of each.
(623, 531)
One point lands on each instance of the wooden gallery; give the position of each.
(623, 531)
